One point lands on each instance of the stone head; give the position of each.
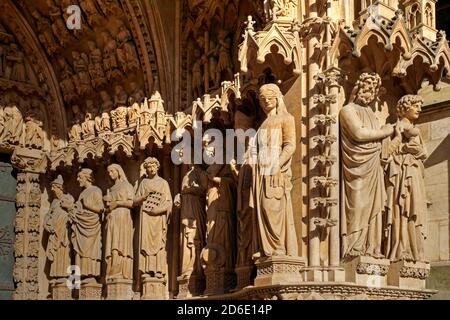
(367, 88)
(409, 107)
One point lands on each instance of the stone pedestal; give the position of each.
(191, 286)
(406, 275)
(244, 277)
(60, 291)
(119, 289)
(219, 282)
(153, 289)
(367, 271)
(279, 270)
(90, 291)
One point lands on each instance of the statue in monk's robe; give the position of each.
(363, 179)
(155, 200)
(86, 226)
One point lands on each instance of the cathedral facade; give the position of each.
(232, 149)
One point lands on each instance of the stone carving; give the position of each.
(15, 68)
(57, 225)
(88, 127)
(67, 85)
(96, 71)
(46, 36)
(197, 74)
(13, 127)
(76, 131)
(271, 185)
(126, 51)
(103, 124)
(154, 198)
(34, 134)
(137, 95)
(86, 227)
(82, 79)
(119, 226)
(110, 7)
(90, 9)
(59, 28)
(364, 189)
(119, 114)
(110, 63)
(224, 68)
(192, 202)
(407, 202)
(6, 242)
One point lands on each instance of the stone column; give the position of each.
(30, 163)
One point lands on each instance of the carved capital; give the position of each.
(29, 160)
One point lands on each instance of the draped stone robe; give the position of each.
(271, 191)
(407, 201)
(364, 189)
(153, 255)
(58, 247)
(86, 235)
(119, 233)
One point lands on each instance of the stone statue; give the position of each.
(34, 134)
(96, 71)
(197, 74)
(154, 198)
(15, 64)
(119, 115)
(110, 63)
(110, 7)
(88, 127)
(407, 201)
(137, 94)
(67, 85)
(45, 33)
(104, 123)
(76, 131)
(220, 215)
(13, 124)
(364, 191)
(224, 68)
(56, 223)
(246, 218)
(119, 226)
(82, 78)
(271, 186)
(59, 27)
(192, 202)
(126, 51)
(86, 226)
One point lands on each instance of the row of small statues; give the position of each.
(383, 177)
(124, 112)
(96, 69)
(16, 129)
(77, 225)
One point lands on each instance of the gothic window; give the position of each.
(415, 16)
(428, 15)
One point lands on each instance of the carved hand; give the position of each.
(177, 201)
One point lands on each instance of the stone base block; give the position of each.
(279, 270)
(60, 291)
(244, 277)
(90, 291)
(119, 289)
(153, 289)
(219, 282)
(191, 286)
(336, 275)
(367, 271)
(406, 275)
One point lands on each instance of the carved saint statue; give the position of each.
(15, 64)
(86, 226)
(192, 202)
(154, 197)
(364, 189)
(13, 124)
(119, 114)
(95, 65)
(75, 132)
(220, 215)
(197, 74)
(119, 225)
(45, 33)
(56, 223)
(126, 51)
(81, 67)
(90, 9)
(34, 134)
(224, 68)
(110, 63)
(271, 187)
(104, 123)
(88, 127)
(407, 202)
